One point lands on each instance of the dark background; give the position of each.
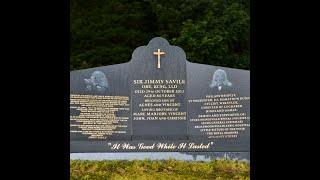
(105, 32)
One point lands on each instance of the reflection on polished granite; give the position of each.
(188, 156)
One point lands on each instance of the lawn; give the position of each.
(161, 169)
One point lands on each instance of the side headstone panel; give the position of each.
(219, 106)
(99, 107)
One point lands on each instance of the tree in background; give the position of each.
(211, 32)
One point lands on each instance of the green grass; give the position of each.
(165, 169)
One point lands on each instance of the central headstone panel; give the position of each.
(158, 87)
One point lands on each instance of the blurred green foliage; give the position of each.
(105, 32)
(165, 169)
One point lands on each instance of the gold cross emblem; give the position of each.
(159, 53)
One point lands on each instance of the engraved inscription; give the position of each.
(223, 115)
(96, 116)
(159, 99)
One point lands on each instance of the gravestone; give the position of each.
(159, 102)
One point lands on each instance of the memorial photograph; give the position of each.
(220, 80)
(160, 89)
(97, 82)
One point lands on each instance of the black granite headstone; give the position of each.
(159, 101)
